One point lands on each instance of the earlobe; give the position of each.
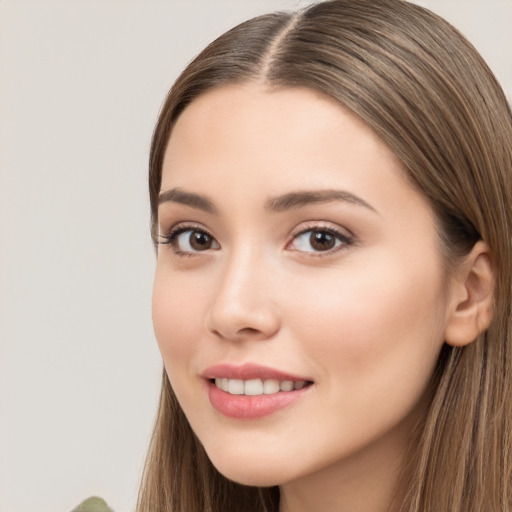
(472, 297)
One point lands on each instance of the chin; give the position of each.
(256, 479)
(256, 475)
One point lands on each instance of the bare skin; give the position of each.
(291, 239)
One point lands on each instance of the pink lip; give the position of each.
(248, 371)
(250, 407)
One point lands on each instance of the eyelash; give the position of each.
(171, 238)
(344, 240)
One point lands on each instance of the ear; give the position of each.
(471, 304)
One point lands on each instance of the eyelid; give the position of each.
(342, 234)
(169, 236)
(321, 225)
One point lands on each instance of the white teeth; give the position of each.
(255, 387)
(236, 387)
(222, 384)
(286, 385)
(271, 386)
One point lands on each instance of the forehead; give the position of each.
(293, 133)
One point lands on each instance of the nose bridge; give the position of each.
(242, 306)
(240, 276)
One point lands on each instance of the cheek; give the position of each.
(374, 322)
(177, 313)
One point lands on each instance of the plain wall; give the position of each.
(81, 83)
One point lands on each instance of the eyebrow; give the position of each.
(304, 198)
(176, 195)
(278, 204)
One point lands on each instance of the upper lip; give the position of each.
(248, 371)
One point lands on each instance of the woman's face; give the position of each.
(294, 255)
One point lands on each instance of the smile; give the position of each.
(255, 387)
(251, 391)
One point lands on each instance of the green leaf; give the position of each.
(93, 504)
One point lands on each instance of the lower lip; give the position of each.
(251, 407)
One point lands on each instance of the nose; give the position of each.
(243, 306)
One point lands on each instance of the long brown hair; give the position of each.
(429, 95)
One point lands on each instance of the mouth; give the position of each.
(252, 391)
(257, 387)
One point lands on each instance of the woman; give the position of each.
(331, 205)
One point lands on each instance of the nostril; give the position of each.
(249, 331)
(246, 333)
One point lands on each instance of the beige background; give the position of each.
(81, 83)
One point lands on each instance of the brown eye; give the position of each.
(191, 241)
(322, 240)
(200, 241)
